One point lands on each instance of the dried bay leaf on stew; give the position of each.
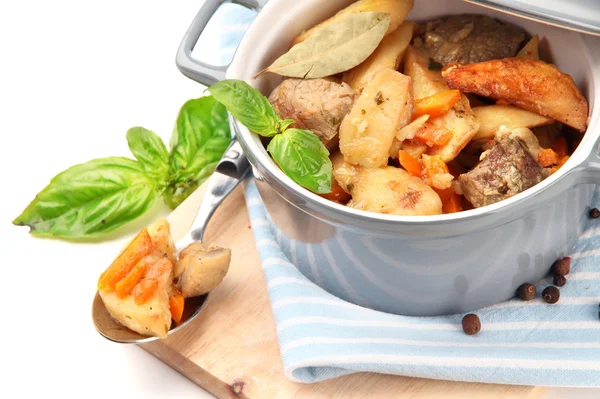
(335, 48)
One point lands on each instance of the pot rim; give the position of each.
(577, 166)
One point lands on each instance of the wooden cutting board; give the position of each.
(231, 349)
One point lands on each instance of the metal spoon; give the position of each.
(229, 172)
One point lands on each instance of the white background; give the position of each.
(74, 76)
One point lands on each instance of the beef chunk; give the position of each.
(318, 105)
(470, 38)
(507, 170)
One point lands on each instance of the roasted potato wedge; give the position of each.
(531, 51)
(399, 9)
(530, 84)
(387, 190)
(460, 119)
(388, 54)
(491, 117)
(385, 106)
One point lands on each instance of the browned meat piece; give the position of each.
(318, 105)
(470, 38)
(507, 170)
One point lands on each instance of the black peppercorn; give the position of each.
(561, 267)
(527, 292)
(471, 324)
(595, 213)
(551, 294)
(560, 281)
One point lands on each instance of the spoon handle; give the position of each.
(230, 171)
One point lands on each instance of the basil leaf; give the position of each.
(200, 138)
(284, 124)
(149, 149)
(247, 105)
(303, 157)
(90, 199)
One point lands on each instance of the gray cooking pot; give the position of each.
(427, 265)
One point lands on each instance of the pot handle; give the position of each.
(199, 71)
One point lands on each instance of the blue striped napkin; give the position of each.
(524, 343)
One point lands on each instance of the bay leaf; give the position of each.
(335, 48)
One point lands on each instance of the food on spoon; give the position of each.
(491, 117)
(200, 269)
(398, 9)
(532, 85)
(531, 50)
(137, 288)
(384, 106)
(470, 38)
(317, 105)
(460, 120)
(507, 170)
(388, 55)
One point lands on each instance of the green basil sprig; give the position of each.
(299, 153)
(96, 197)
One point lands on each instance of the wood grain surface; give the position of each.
(231, 349)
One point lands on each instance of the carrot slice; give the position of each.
(410, 163)
(561, 147)
(148, 285)
(176, 303)
(561, 162)
(126, 285)
(547, 157)
(337, 193)
(436, 105)
(431, 134)
(453, 204)
(139, 247)
(434, 165)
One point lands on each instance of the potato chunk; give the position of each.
(491, 117)
(531, 50)
(388, 54)
(162, 242)
(399, 9)
(385, 106)
(201, 269)
(386, 190)
(460, 119)
(530, 84)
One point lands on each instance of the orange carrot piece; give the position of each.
(410, 163)
(561, 162)
(337, 193)
(444, 194)
(176, 303)
(434, 165)
(436, 105)
(139, 247)
(453, 204)
(149, 284)
(547, 158)
(561, 147)
(126, 285)
(431, 134)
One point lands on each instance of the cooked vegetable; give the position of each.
(387, 55)
(459, 120)
(436, 105)
(408, 132)
(398, 9)
(470, 38)
(176, 305)
(410, 163)
(155, 275)
(531, 50)
(334, 48)
(128, 283)
(547, 158)
(491, 117)
(387, 190)
(433, 135)
(532, 85)
(507, 170)
(317, 105)
(138, 248)
(436, 171)
(560, 146)
(367, 132)
(162, 242)
(200, 269)
(414, 148)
